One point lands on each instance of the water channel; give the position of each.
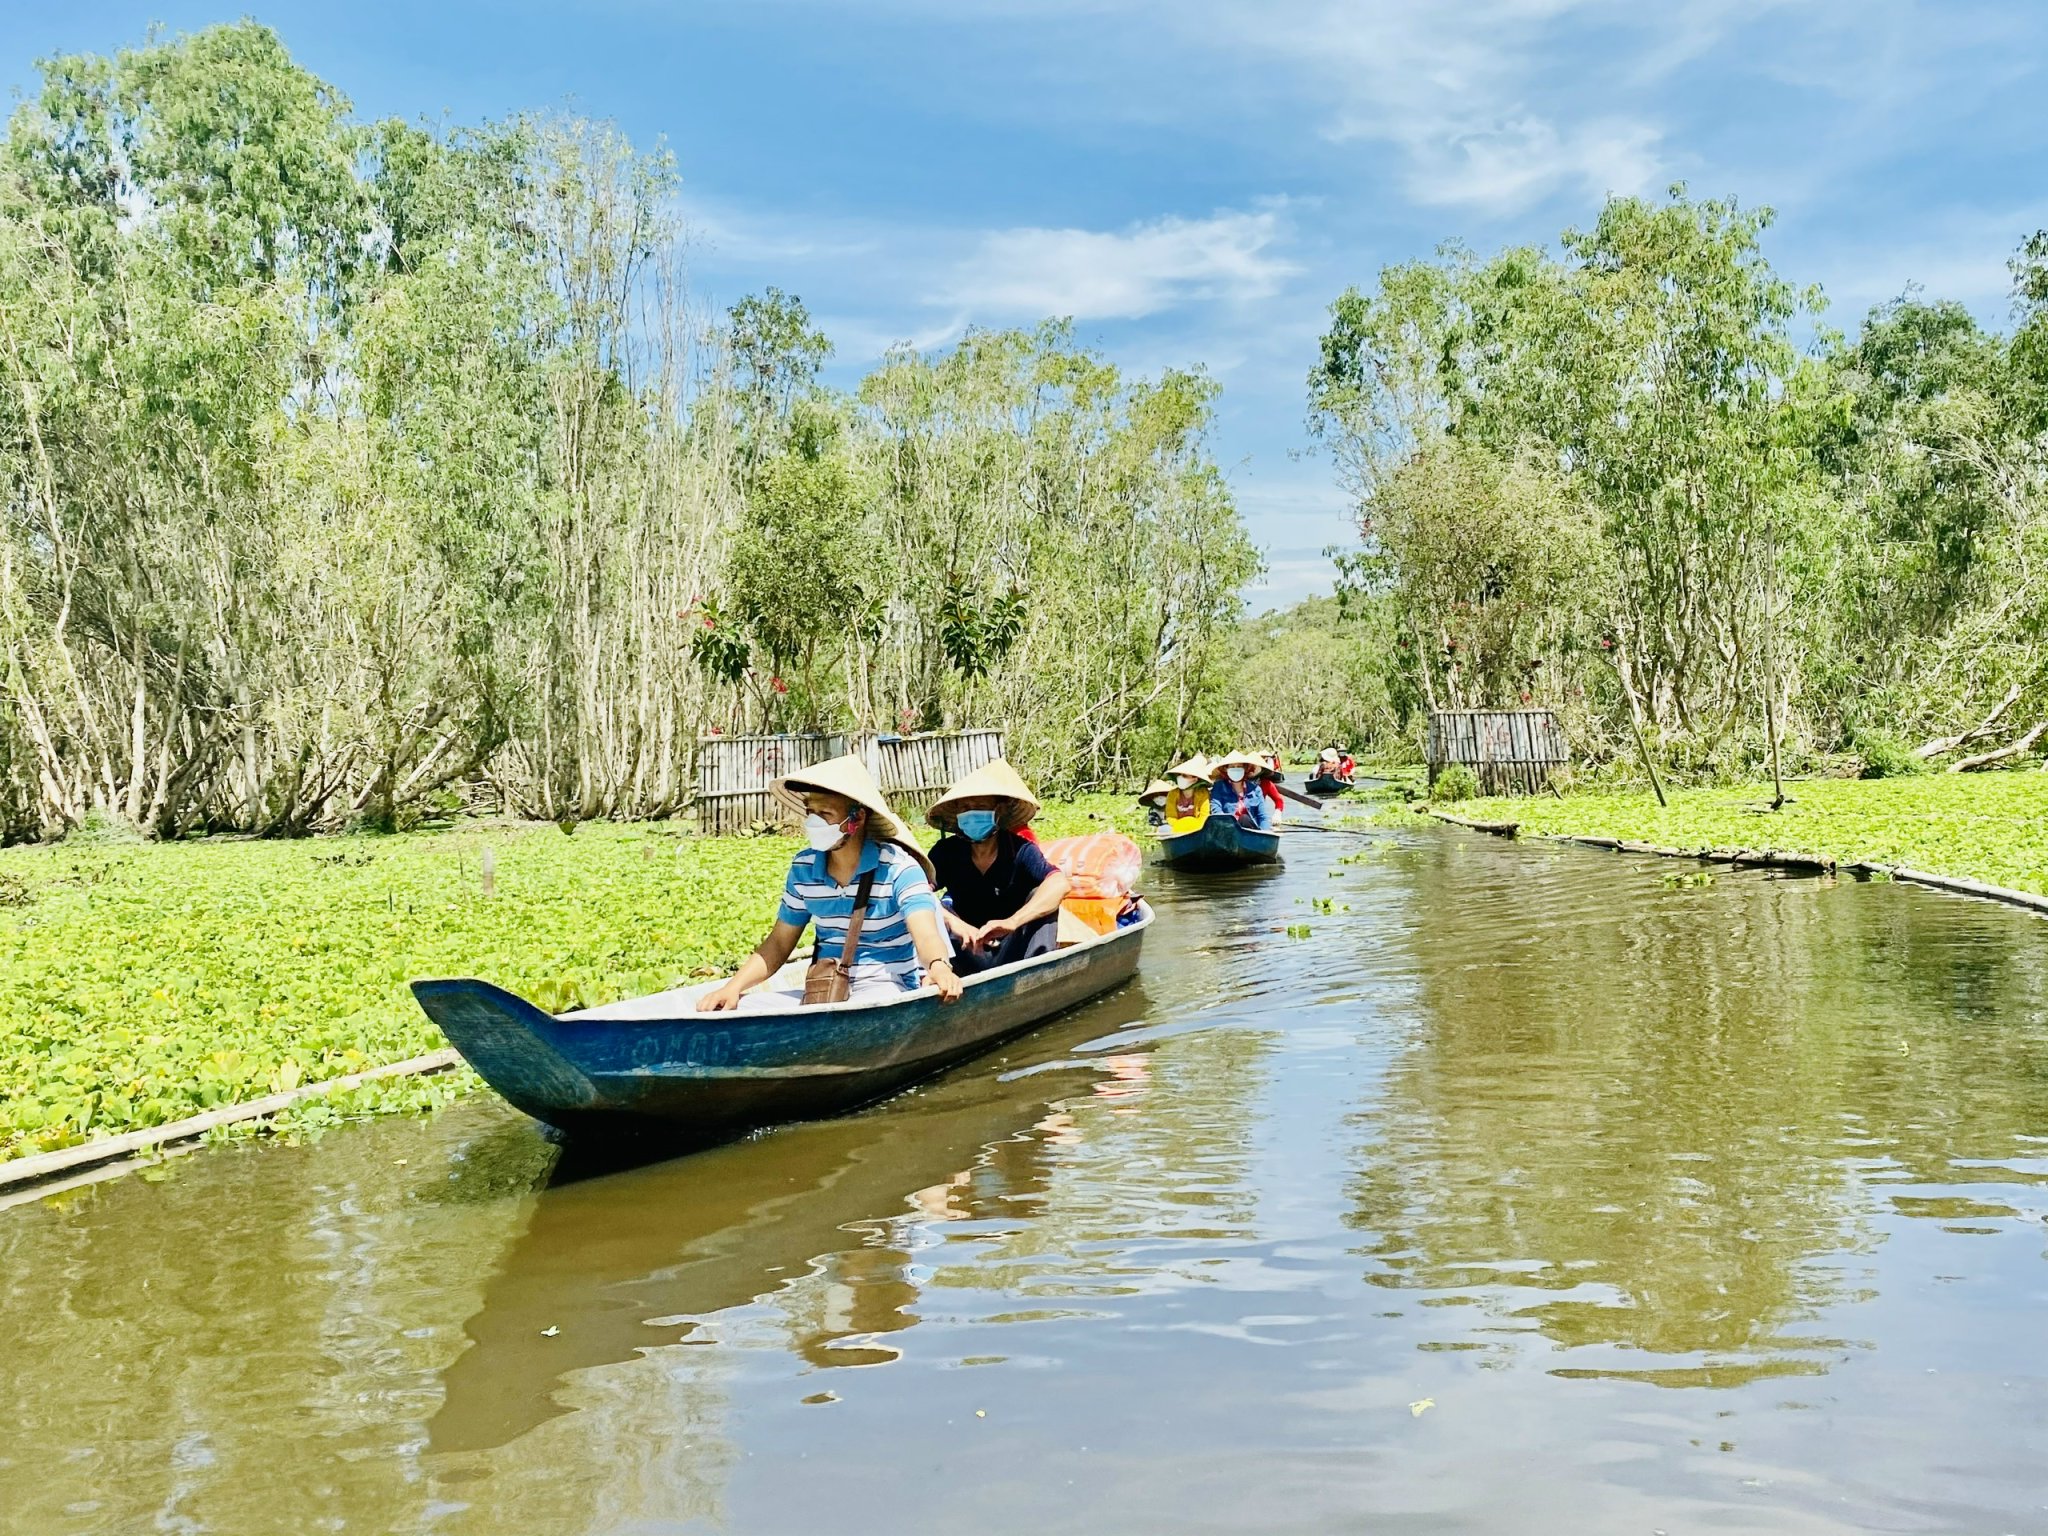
(1525, 1194)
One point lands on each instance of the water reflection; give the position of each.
(1522, 1194)
(1644, 1130)
(621, 1263)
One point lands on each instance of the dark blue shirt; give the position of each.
(980, 896)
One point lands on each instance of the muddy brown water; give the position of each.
(1524, 1195)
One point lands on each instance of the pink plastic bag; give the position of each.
(1103, 866)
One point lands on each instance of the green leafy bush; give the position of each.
(1454, 782)
(1884, 756)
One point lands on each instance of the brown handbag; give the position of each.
(830, 980)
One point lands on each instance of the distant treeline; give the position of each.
(350, 468)
(1634, 478)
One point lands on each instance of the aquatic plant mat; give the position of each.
(143, 986)
(1984, 836)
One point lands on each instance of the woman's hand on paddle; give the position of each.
(720, 999)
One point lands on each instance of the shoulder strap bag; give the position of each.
(829, 979)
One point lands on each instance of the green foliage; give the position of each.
(1454, 782)
(153, 982)
(1987, 826)
(1306, 677)
(145, 983)
(1884, 756)
(1687, 880)
(345, 467)
(1605, 479)
(976, 631)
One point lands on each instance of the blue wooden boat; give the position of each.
(1220, 843)
(589, 1281)
(655, 1067)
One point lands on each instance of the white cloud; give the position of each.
(1492, 104)
(861, 340)
(1098, 275)
(1510, 165)
(732, 235)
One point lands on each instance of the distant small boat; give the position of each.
(655, 1067)
(1328, 784)
(1220, 843)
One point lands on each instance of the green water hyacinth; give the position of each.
(1986, 826)
(144, 983)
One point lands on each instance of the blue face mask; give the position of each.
(975, 825)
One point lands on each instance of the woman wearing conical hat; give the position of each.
(1234, 790)
(1003, 893)
(1188, 806)
(856, 844)
(1153, 798)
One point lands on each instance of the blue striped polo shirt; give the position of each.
(885, 947)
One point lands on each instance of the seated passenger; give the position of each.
(858, 848)
(1004, 895)
(1234, 791)
(1269, 786)
(1154, 800)
(1188, 806)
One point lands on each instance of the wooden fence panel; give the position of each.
(1510, 751)
(734, 772)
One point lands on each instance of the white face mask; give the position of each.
(1236, 774)
(1186, 783)
(822, 835)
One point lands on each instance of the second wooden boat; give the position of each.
(1220, 843)
(1328, 784)
(655, 1067)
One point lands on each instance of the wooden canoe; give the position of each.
(655, 1067)
(1328, 784)
(1220, 843)
(740, 1222)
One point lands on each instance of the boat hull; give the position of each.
(1221, 843)
(656, 1068)
(1324, 784)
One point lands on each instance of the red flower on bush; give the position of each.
(778, 685)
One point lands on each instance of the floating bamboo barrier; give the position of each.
(1769, 858)
(88, 1154)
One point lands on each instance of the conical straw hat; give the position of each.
(1158, 789)
(1245, 760)
(849, 776)
(998, 779)
(1196, 767)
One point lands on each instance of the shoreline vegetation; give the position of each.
(1991, 828)
(145, 982)
(353, 473)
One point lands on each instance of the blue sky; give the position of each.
(1194, 180)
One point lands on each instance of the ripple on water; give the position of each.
(1514, 1196)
